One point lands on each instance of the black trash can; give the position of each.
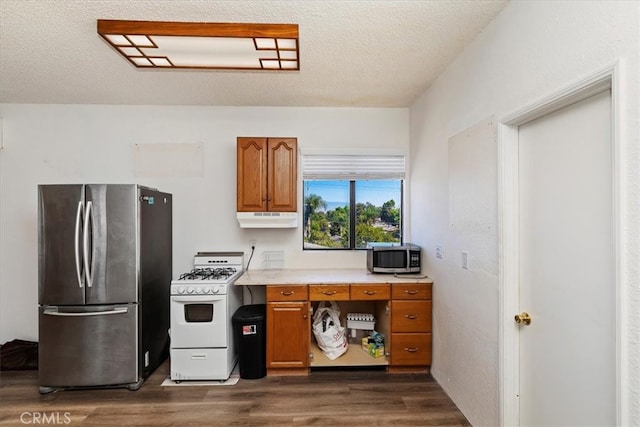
(249, 331)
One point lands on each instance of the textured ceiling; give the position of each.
(352, 53)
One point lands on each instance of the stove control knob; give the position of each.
(189, 290)
(181, 290)
(207, 290)
(198, 290)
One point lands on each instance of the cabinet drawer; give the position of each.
(411, 291)
(411, 316)
(287, 293)
(329, 292)
(411, 349)
(363, 292)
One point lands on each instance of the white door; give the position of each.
(566, 265)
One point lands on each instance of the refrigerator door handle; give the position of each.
(55, 312)
(77, 245)
(86, 243)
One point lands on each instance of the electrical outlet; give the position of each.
(439, 253)
(252, 243)
(465, 260)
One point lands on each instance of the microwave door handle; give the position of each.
(77, 245)
(86, 244)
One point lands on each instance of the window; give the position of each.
(352, 201)
(340, 214)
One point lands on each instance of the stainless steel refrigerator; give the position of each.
(104, 273)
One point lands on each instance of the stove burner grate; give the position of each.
(209, 273)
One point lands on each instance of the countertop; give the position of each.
(324, 276)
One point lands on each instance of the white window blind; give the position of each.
(353, 167)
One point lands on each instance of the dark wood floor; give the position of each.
(324, 398)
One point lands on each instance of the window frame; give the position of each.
(352, 213)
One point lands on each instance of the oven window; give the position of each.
(198, 313)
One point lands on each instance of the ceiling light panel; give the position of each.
(148, 44)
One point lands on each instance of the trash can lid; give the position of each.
(250, 312)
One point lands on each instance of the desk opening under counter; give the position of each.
(355, 355)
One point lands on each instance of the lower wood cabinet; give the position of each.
(410, 349)
(287, 334)
(288, 329)
(410, 326)
(411, 316)
(403, 315)
(329, 292)
(370, 292)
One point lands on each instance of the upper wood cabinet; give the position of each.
(267, 174)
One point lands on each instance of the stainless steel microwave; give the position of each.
(394, 259)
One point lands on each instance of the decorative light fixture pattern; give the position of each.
(148, 44)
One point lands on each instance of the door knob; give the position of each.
(523, 318)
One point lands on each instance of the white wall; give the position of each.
(530, 50)
(89, 143)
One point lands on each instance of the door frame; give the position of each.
(608, 77)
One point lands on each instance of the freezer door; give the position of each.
(111, 243)
(88, 346)
(60, 266)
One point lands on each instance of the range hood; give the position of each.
(268, 219)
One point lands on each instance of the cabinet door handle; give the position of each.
(411, 316)
(369, 292)
(411, 349)
(329, 292)
(411, 292)
(286, 293)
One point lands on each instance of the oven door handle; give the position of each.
(197, 299)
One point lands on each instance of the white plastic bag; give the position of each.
(330, 335)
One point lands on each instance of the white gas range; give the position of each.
(202, 303)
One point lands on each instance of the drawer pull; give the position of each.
(332, 292)
(286, 293)
(411, 316)
(411, 349)
(369, 292)
(411, 292)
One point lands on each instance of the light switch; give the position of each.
(439, 252)
(465, 260)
